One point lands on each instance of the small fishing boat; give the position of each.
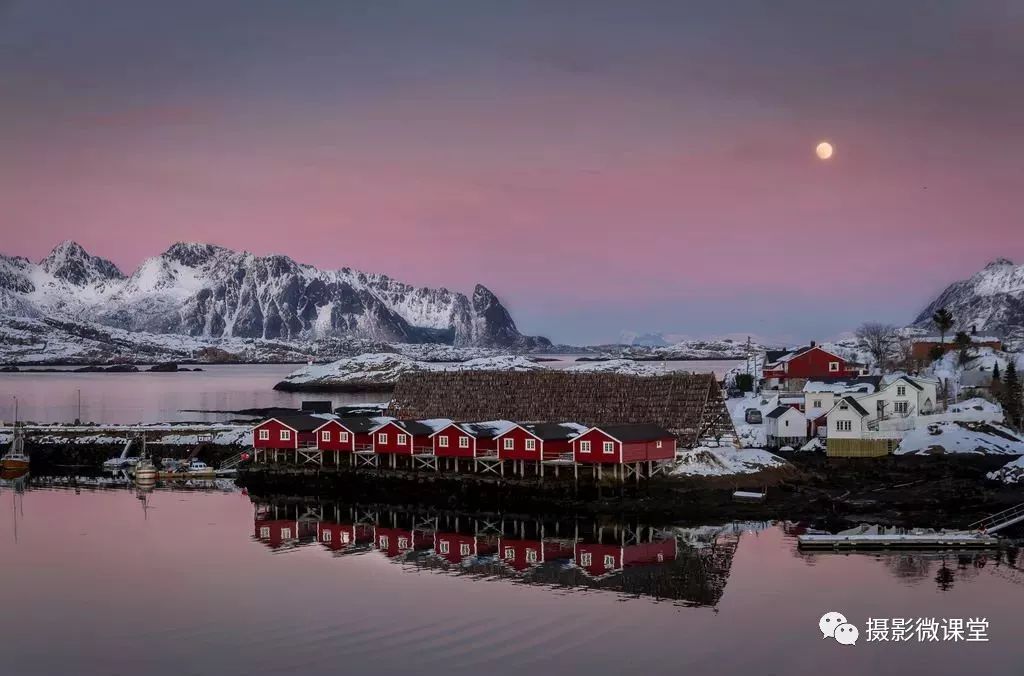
(145, 471)
(123, 461)
(16, 461)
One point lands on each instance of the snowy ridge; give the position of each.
(207, 291)
(991, 300)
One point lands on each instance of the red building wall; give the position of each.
(598, 559)
(335, 431)
(518, 451)
(336, 536)
(649, 553)
(275, 428)
(814, 364)
(596, 454)
(391, 445)
(453, 434)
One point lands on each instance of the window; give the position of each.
(510, 553)
(265, 532)
(508, 444)
(325, 435)
(816, 403)
(443, 546)
(286, 435)
(584, 447)
(464, 550)
(382, 438)
(463, 442)
(785, 423)
(844, 406)
(264, 435)
(531, 555)
(901, 407)
(657, 444)
(442, 442)
(901, 390)
(343, 437)
(403, 439)
(383, 542)
(586, 558)
(286, 533)
(608, 447)
(531, 444)
(403, 543)
(345, 537)
(660, 557)
(609, 561)
(833, 367)
(326, 536)
(844, 426)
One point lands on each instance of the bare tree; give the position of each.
(878, 339)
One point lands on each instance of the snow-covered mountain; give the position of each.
(991, 301)
(208, 291)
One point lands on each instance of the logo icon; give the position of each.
(834, 625)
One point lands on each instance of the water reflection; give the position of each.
(689, 566)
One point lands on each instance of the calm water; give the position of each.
(211, 583)
(165, 397)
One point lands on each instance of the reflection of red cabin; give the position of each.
(402, 437)
(454, 547)
(524, 554)
(649, 553)
(536, 441)
(336, 536)
(396, 541)
(601, 559)
(286, 432)
(624, 444)
(276, 532)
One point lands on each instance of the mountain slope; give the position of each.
(991, 301)
(208, 291)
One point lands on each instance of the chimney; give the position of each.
(974, 330)
(813, 344)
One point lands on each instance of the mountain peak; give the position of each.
(70, 262)
(193, 254)
(999, 263)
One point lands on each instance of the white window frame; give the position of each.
(403, 542)
(442, 546)
(383, 541)
(608, 447)
(531, 555)
(531, 444)
(901, 390)
(442, 441)
(343, 437)
(586, 558)
(382, 437)
(844, 426)
(816, 403)
(325, 536)
(345, 537)
(325, 435)
(510, 553)
(901, 407)
(403, 439)
(508, 444)
(833, 367)
(657, 444)
(609, 561)
(264, 532)
(286, 533)
(465, 549)
(286, 435)
(584, 447)
(264, 435)
(463, 442)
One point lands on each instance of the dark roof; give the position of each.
(638, 432)
(417, 429)
(778, 411)
(856, 407)
(852, 380)
(301, 423)
(908, 380)
(772, 356)
(360, 424)
(483, 430)
(552, 431)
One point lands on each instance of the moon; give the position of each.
(824, 150)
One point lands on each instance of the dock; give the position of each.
(898, 539)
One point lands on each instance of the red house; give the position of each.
(623, 444)
(806, 363)
(403, 437)
(468, 440)
(286, 432)
(361, 429)
(522, 555)
(537, 441)
(333, 436)
(336, 536)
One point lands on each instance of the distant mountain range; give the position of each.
(211, 292)
(990, 301)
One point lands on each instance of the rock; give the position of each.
(166, 367)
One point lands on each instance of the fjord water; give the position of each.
(191, 583)
(125, 398)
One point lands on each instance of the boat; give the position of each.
(195, 469)
(146, 473)
(123, 461)
(16, 461)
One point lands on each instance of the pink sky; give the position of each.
(595, 191)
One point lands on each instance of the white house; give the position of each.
(821, 394)
(893, 407)
(785, 426)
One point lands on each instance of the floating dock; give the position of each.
(897, 540)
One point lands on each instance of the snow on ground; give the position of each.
(752, 436)
(961, 437)
(624, 366)
(725, 461)
(386, 368)
(1010, 473)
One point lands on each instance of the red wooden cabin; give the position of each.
(362, 428)
(334, 437)
(468, 440)
(403, 437)
(396, 541)
(807, 362)
(624, 444)
(336, 536)
(286, 432)
(537, 441)
(522, 555)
